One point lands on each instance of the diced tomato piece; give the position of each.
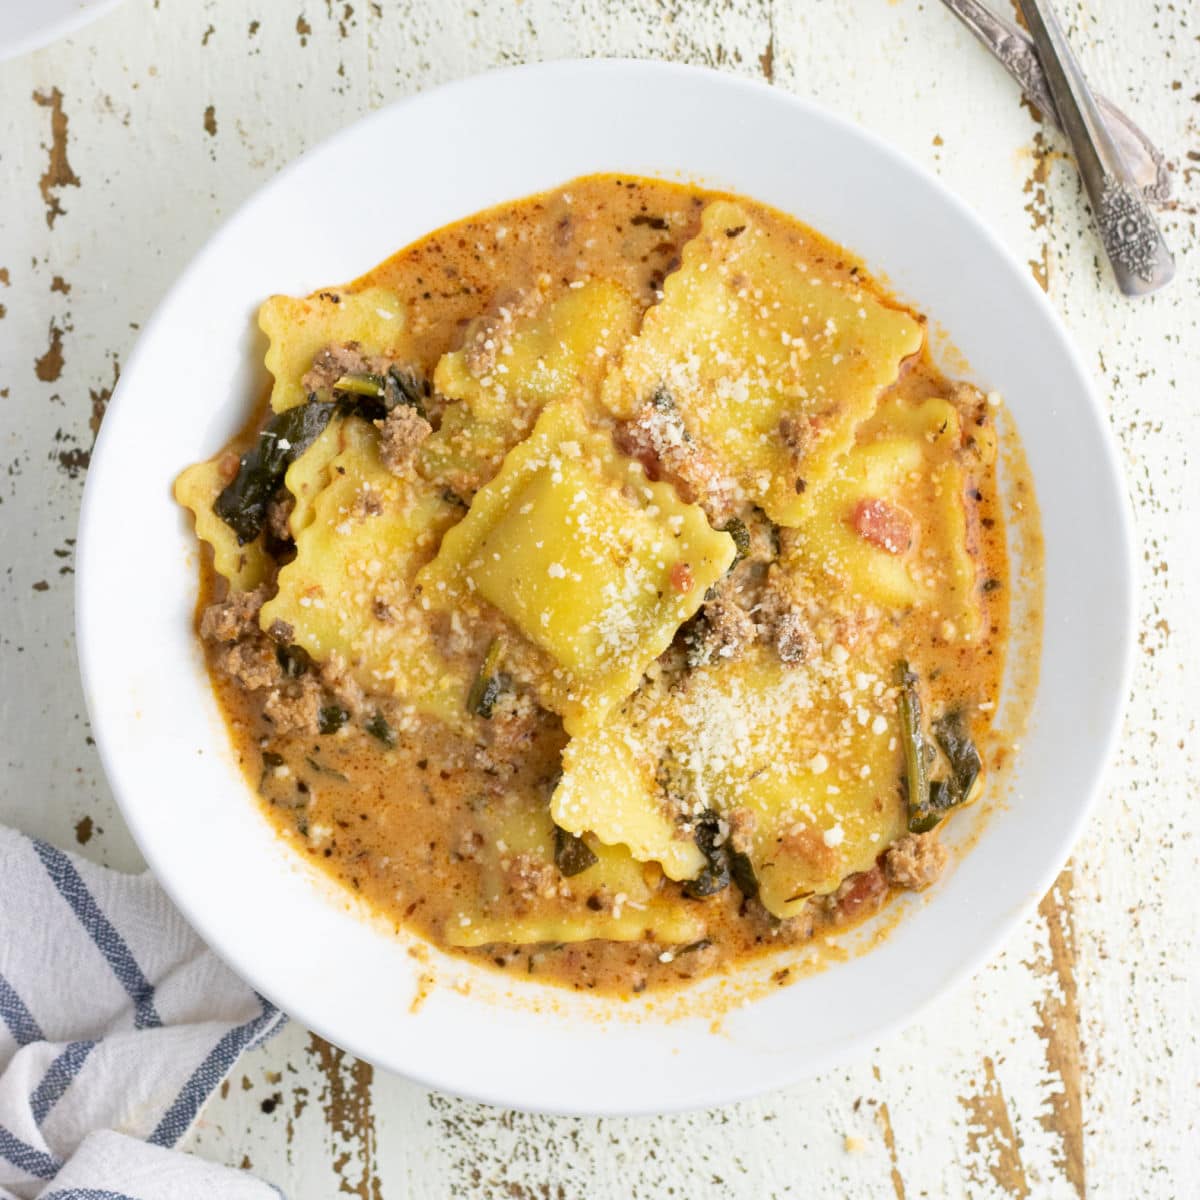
(883, 525)
(864, 895)
(682, 579)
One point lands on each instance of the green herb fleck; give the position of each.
(489, 683)
(322, 769)
(293, 660)
(331, 718)
(378, 727)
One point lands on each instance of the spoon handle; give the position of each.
(1136, 251)
(1013, 49)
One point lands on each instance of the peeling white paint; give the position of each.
(177, 112)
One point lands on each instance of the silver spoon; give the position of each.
(1136, 251)
(1014, 49)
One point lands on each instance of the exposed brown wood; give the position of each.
(992, 1143)
(58, 173)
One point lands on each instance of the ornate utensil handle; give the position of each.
(1013, 48)
(1139, 257)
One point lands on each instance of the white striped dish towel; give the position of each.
(116, 1025)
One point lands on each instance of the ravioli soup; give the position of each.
(610, 588)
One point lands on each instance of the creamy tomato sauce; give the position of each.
(400, 815)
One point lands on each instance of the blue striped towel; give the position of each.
(116, 1025)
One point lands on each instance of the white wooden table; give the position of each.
(1068, 1066)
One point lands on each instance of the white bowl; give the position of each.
(27, 25)
(436, 158)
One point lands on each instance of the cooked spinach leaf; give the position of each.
(371, 396)
(916, 762)
(965, 764)
(403, 385)
(572, 855)
(715, 876)
(741, 871)
(242, 505)
(930, 800)
(943, 796)
(736, 528)
(954, 737)
(361, 383)
(723, 864)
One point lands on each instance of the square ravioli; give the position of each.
(512, 364)
(803, 758)
(613, 792)
(771, 364)
(346, 592)
(523, 898)
(890, 528)
(242, 567)
(297, 327)
(519, 361)
(654, 582)
(308, 476)
(590, 561)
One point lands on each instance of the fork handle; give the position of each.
(1140, 259)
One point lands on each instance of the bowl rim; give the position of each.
(562, 72)
(64, 25)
